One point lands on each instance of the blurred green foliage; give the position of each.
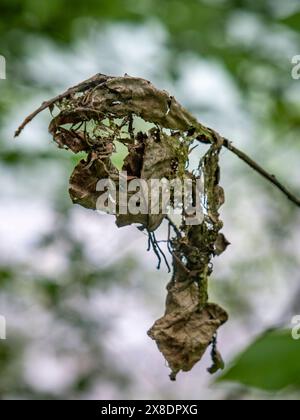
(270, 363)
(258, 64)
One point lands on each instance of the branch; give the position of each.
(81, 87)
(256, 167)
(155, 106)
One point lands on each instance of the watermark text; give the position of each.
(2, 67)
(296, 67)
(296, 327)
(2, 328)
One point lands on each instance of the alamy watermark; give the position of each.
(2, 67)
(152, 197)
(296, 67)
(296, 327)
(2, 327)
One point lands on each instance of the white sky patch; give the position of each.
(249, 30)
(207, 90)
(104, 242)
(21, 224)
(47, 373)
(35, 135)
(283, 9)
(206, 83)
(114, 49)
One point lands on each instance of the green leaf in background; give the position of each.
(271, 363)
(292, 21)
(119, 156)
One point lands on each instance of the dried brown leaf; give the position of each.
(185, 331)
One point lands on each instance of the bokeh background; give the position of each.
(79, 294)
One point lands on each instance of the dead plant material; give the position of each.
(103, 110)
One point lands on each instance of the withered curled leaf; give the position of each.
(221, 244)
(92, 117)
(185, 331)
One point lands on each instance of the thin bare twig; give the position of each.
(256, 167)
(154, 247)
(262, 172)
(156, 243)
(81, 87)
